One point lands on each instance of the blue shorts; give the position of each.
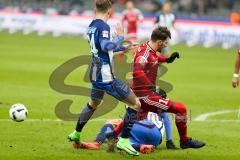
(145, 132)
(117, 88)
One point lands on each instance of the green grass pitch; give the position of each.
(201, 79)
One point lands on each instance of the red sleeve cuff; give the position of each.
(162, 59)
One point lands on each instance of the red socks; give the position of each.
(181, 120)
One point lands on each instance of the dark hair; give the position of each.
(129, 1)
(160, 33)
(103, 5)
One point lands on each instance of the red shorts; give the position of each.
(153, 103)
(132, 35)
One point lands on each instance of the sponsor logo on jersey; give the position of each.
(105, 34)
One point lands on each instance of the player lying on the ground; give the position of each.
(235, 80)
(145, 134)
(145, 68)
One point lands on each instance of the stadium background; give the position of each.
(38, 36)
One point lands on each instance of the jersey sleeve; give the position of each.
(104, 33)
(108, 44)
(162, 59)
(104, 38)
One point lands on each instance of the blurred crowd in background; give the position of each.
(192, 8)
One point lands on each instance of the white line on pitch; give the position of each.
(220, 120)
(203, 117)
(200, 118)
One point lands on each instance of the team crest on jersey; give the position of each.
(105, 34)
(139, 49)
(142, 60)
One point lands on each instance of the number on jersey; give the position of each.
(91, 40)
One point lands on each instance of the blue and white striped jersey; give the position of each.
(101, 70)
(166, 20)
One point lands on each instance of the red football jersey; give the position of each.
(145, 68)
(132, 18)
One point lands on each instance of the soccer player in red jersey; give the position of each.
(146, 63)
(131, 17)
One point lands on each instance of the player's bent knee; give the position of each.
(179, 108)
(182, 108)
(94, 104)
(137, 106)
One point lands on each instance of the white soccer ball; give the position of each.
(18, 112)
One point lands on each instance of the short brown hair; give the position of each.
(160, 33)
(103, 5)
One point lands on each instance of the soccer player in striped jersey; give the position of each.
(103, 79)
(167, 19)
(235, 79)
(146, 63)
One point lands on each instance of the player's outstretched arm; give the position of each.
(170, 59)
(235, 79)
(114, 44)
(167, 124)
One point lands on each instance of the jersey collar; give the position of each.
(150, 48)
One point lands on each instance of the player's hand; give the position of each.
(235, 82)
(153, 88)
(162, 93)
(119, 30)
(173, 57)
(131, 48)
(134, 47)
